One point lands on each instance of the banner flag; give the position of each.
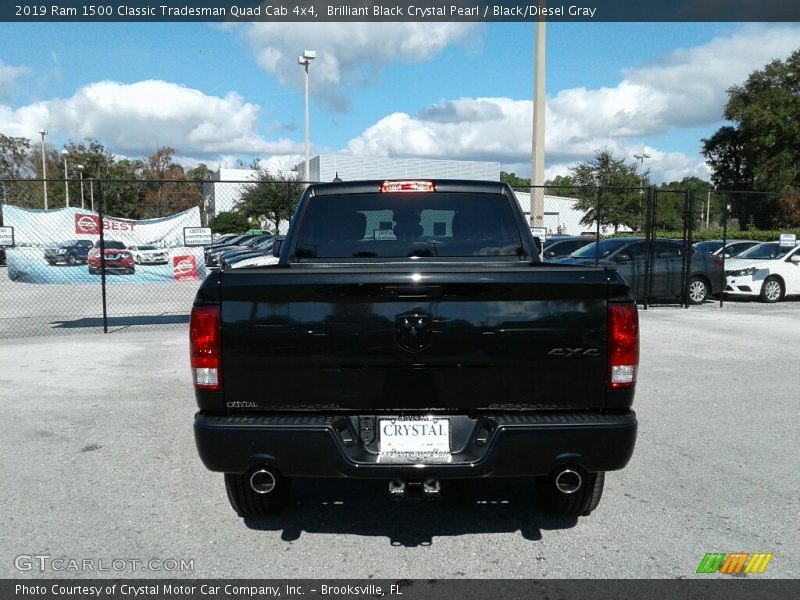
(61, 246)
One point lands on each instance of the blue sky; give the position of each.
(441, 90)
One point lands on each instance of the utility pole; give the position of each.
(537, 156)
(43, 132)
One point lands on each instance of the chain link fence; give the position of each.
(681, 247)
(110, 254)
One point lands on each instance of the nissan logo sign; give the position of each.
(184, 266)
(86, 224)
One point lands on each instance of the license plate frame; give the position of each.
(414, 439)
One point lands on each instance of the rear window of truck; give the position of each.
(387, 225)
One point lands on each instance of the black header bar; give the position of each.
(404, 10)
(699, 587)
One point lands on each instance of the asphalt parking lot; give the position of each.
(29, 309)
(99, 463)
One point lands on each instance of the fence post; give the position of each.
(650, 224)
(100, 208)
(688, 225)
(597, 215)
(726, 207)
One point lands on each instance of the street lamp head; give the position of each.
(42, 131)
(79, 167)
(64, 153)
(306, 58)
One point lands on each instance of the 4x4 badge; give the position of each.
(413, 331)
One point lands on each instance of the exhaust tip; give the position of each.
(431, 487)
(262, 481)
(568, 481)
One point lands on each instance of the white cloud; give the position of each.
(8, 75)
(685, 89)
(348, 54)
(134, 119)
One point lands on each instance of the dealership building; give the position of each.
(226, 186)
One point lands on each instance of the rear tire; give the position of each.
(697, 290)
(248, 503)
(93, 271)
(581, 503)
(772, 290)
(71, 260)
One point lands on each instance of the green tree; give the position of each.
(159, 168)
(199, 173)
(760, 149)
(96, 160)
(124, 192)
(271, 198)
(229, 222)
(558, 186)
(671, 197)
(15, 157)
(608, 191)
(16, 163)
(514, 181)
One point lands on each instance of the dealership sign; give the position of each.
(61, 246)
(88, 224)
(197, 236)
(6, 236)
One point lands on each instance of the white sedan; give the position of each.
(768, 271)
(149, 255)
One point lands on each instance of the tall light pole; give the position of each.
(537, 156)
(305, 60)
(64, 153)
(80, 170)
(43, 132)
(640, 158)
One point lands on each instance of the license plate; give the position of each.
(425, 439)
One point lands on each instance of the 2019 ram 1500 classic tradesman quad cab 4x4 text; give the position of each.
(409, 332)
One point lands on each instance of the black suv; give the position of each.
(69, 252)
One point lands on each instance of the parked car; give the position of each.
(149, 255)
(254, 247)
(117, 258)
(768, 271)
(228, 241)
(730, 249)
(710, 246)
(630, 254)
(69, 252)
(212, 256)
(259, 256)
(220, 238)
(556, 247)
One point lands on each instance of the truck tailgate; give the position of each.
(496, 336)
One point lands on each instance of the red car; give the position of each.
(118, 258)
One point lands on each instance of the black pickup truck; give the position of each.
(408, 332)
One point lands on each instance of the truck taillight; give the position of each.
(623, 345)
(408, 186)
(204, 344)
